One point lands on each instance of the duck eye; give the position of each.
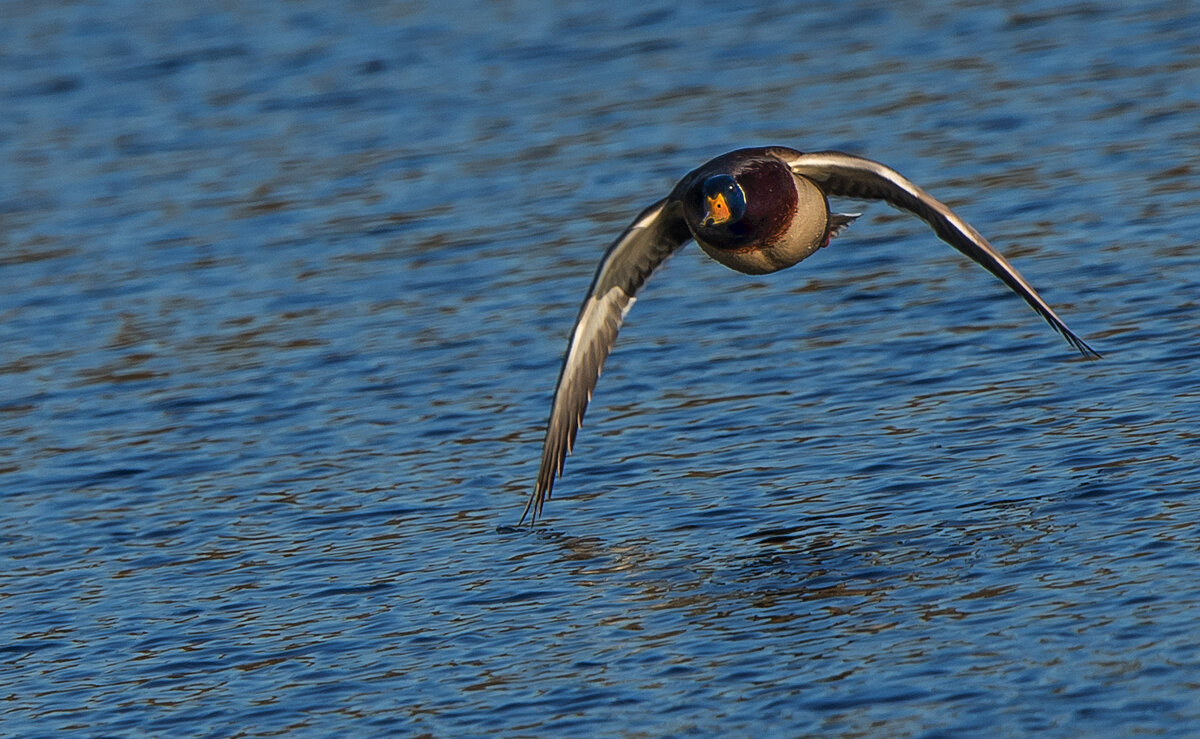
(724, 200)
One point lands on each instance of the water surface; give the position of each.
(286, 292)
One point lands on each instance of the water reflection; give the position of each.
(828, 608)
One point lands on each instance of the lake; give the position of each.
(286, 292)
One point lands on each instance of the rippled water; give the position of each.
(285, 294)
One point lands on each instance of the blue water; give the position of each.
(285, 292)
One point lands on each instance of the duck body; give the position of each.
(755, 210)
(786, 217)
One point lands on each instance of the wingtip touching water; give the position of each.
(756, 211)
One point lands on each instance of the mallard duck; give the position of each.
(756, 211)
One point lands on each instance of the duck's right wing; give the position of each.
(656, 234)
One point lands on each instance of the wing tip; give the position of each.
(534, 505)
(1081, 346)
(1084, 348)
(543, 487)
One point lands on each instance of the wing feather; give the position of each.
(849, 176)
(656, 234)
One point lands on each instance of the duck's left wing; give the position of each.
(849, 176)
(655, 235)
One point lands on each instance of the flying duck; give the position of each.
(756, 211)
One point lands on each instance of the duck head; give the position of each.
(724, 201)
(749, 212)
